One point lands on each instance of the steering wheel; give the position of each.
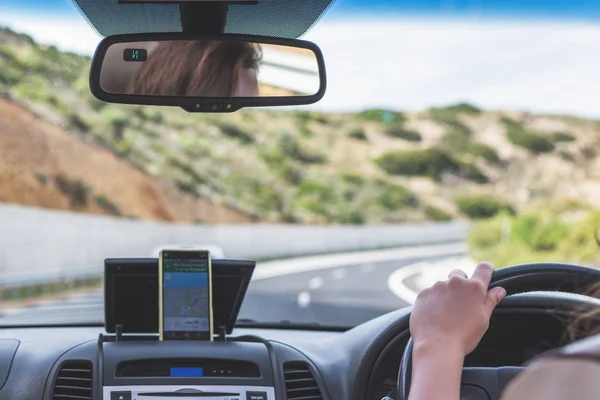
(488, 382)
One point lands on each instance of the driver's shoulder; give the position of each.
(570, 372)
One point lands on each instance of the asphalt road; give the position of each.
(344, 296)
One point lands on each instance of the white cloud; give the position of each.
(67, 33)
(413, 64)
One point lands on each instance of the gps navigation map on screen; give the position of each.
(186, 295)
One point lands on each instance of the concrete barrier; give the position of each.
(47, 245)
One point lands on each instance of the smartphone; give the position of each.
(185, 295)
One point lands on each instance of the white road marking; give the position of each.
(303, 299)
(274, 269)
(339, 273)
(315, 283)
(396, 281)
(425, 274)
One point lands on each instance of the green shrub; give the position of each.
(455, 141)
(510, 123)
(156, 116)
(306, 116)
(274, 157)
(349, 214)
(538, 237)
(357, 134)
(320, 118)
(481, 206)
(124, 148)
(95, 104)
(464, 108)
(76, 190)
(104, 203)
(430, 162)
(258, 196)
(563, 137)
(437, 214)
(353, 179)
(187, 169)
(116, 119)
(533, 142)
(315, 197)
(565, 155)
(394, 196)
(290, 173)
(78, 123)
(41, 178)
(579, 244)
(291, 147)
(187, 187)
(316, 189)
(487, 233)
(538, 232)
(484, 151)
(449, 118)
(470, 172)
(237, 133)
(381, 115)
(397, 131)
(304, 131)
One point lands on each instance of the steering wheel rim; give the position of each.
(522, 278)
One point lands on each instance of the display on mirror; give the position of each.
(185, 298)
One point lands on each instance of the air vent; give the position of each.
(73, 381)
(300, 384)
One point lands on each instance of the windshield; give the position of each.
(450, 132)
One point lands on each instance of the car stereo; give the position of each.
(170, 392)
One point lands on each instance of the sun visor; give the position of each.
(277, 18)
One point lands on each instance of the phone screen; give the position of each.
(186, 298)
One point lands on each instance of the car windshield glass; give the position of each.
(450, 132)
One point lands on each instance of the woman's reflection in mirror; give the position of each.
(199, 68)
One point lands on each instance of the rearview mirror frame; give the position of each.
(196, 104)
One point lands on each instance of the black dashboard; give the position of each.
(72, 363)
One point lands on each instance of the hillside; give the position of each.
(378, 166)
(46, 167)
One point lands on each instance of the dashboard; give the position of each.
(83, 363)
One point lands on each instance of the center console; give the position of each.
(134, 365)
(175, 370)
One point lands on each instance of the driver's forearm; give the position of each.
(436, 372)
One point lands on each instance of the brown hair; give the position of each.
(587, 321)
(195, 68)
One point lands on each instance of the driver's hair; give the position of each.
(587, 322)
(194, 68)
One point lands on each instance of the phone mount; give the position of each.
(131, 297)
(118, 336)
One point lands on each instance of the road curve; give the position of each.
(340, 296)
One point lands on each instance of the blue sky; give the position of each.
(534, 55)
(542, 9)
(526, 8)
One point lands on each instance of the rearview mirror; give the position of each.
(204, 74)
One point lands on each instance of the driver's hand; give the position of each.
(455, 312)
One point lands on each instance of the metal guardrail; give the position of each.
(39, 247)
